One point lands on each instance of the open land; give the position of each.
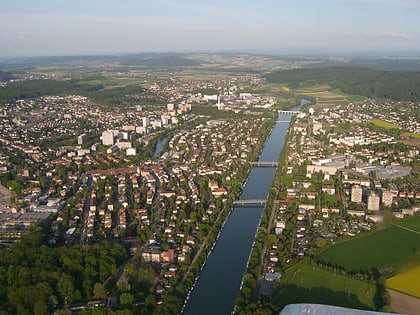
(403, 303)
(406, 282)
(311, 284)
(392, 248)
(325, 95)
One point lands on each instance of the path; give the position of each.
(405, 228)
(404, 303)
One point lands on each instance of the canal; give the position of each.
(218, 285)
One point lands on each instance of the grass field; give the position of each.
(412, 223)
(304, 283)
(325, 95)
(412, 135)
(406, 282)
(113, 82)
(393, 247)
(383, 124)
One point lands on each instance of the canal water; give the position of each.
(159, 146)
(218, 285)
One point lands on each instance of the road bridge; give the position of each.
(250, 202)
(288, 112)
(265, 164)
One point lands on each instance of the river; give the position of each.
(159, 145)
(218, 285)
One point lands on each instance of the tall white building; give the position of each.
(356, 193)
(387, 197)
(373, 201)
(108, 137)
(146, 121)
(81, 139)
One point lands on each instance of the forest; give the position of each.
(36, 278)
(36, 88)
(395, 85)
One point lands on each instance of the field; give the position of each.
(412, 135)
(383, 124)
(412, 224)
(325, 95)
(304, 283)
(111, 82)
(406, 282)
(394, 247)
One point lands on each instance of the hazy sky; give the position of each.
(59, 27)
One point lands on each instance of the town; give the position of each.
(161, 179)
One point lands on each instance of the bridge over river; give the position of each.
(250, 202)
(288, 112)
(265, 164)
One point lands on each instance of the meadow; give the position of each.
(325, 95)
(383, 124)
(304, 283)
(393, 248)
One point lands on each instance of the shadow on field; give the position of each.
(291, 293)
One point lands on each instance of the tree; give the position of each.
(40, 308)
(99, 291)
(126, 299)
(65, 288)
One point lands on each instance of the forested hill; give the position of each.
(396, 85)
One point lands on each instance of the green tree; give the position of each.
(126, 299)
(65, 287)
(99, 291)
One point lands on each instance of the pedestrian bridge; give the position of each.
(265, 164)
(250, 203)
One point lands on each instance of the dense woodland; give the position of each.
(36, 88)
(395, 85)
(36, 278)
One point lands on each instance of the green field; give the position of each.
(393, 247)
(113, 82)
(412, 224)
(304, 283)
(383, 124)
(412, 135)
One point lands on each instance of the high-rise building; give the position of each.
(146, 121)
(387, 197)
(373, 201)
(356, 193)
(81, 139)
(108, 137)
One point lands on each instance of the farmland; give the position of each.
(311, 284)
(394, 247)
(383, 124)
(325, 95)
(406, 282)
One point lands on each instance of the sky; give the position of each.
(86, 27)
